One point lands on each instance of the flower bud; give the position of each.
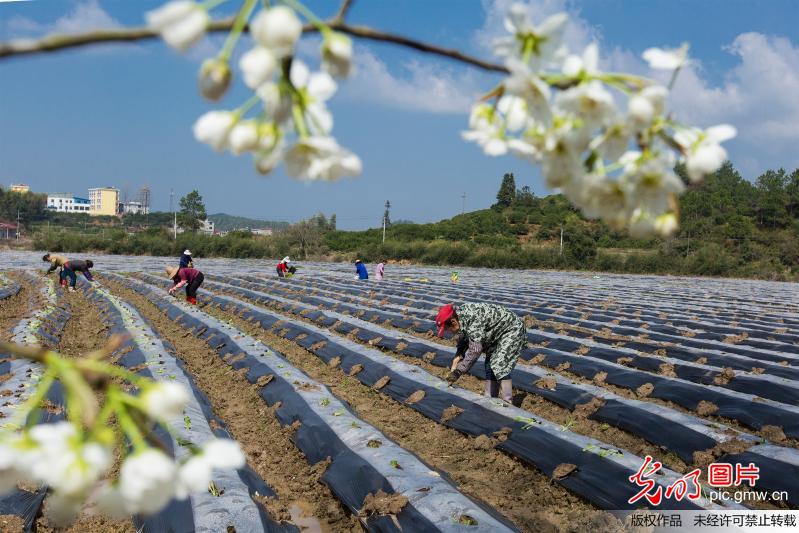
(666, 224)
(165, 400)
(278, 29)
(337, 55)
(214, 78)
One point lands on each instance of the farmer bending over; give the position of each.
(68, 269)
(484, 328)
(190, 277)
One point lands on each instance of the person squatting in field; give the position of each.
(283, 268)
(68, 269)
(484, 328)
(380, 270)
(191, 278)
(185, 260)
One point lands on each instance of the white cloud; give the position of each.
(423, 86)
(83, 16)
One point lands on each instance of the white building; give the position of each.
(262, 231)
(67, 203)
(135, 208)
(207, 227)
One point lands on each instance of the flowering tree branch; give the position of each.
(54, 43)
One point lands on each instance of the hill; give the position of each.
(225, 222)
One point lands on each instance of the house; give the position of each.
(67, 203)
(135, 208)
(262, 231)
(8, 230)
(207, 227)
(19, 187)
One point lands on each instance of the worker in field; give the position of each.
(191, 278)
(380, 270)
(186, 260)
(283, 267)
(360, 270)
(69, 269)
(484, 328)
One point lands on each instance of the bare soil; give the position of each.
(267, 445)
(522, 494)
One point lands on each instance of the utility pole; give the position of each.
(463, 206)
(17, 224)
(174, 214)
(561, 240)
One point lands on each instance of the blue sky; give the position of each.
(121, 115)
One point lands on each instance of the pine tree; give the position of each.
(507, 191)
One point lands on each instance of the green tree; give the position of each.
(525, 197)
(772, 199)
(332, 222)
(792, 190)
(192, 211)
(507, 192)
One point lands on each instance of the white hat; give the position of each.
(286, 259)
(186, 252)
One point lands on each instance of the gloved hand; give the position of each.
(453, 376)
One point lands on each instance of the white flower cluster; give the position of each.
(292, 97)
(73, 463)
(558, 109)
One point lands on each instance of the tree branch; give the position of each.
(52, 43)
(342, 11)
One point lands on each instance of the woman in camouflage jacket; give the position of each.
(485, 328)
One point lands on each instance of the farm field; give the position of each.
(334, 388)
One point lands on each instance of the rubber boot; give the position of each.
(499, 389)
(192, 300)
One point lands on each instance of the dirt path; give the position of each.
(15, 308)
(267, 445)
(84, 332)
(527, 497)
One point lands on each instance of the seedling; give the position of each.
(354, 425)
(568, 425)
(172, 376)
(396, 464)
(324, 402)
(186, 422)
(528, 421)
(338, 412)
(214, 490)
(604, 427)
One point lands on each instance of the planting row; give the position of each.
(363, 461)
(585, 466)
(680, 433)
(19, 377)
(688, 390)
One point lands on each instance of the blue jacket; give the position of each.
(185, 261)
(360, 268)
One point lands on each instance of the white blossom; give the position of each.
(165, 400)
(525, 84)
(590, 102)
(196, 473)
(666, 224)
(599, 196)
(588, 63)
(181, 23)
(257, 66)
(703, 151)
(278, 29)
(647, 104)
(337, 55)
(213, 128)
(110, 502)
(266, 159)
(63, 509)
(321, 158)
(243, 137)
(485, 128)
(277, 103)
(653, 184)
(541, 43)
(661, 59)
(147, 481)
(316, 88)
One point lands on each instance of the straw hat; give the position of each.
(186, 252)
(171, 272)
(286, 259)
